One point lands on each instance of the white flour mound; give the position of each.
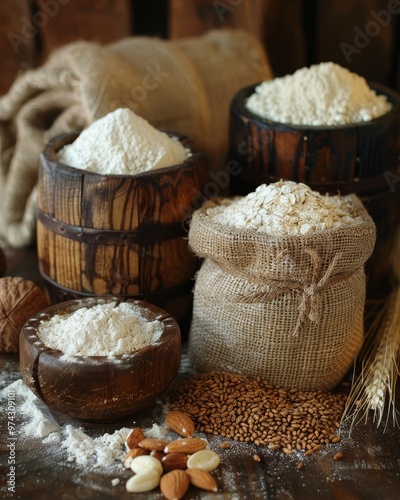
(123, 143)
(102, 330)
(285, 207)
(323, 94)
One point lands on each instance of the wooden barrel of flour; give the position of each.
(116, 234)
(362, 158)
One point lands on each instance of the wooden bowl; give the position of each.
(99, 388)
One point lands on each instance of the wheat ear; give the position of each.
(383, 370)
(375, 388)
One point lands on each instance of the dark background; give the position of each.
(362, 35)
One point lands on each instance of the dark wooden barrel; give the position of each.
(117, 235)
(363, 159)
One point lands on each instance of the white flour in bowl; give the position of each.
(102, 330)
(323, 94)
(285, 207)
(123, 143)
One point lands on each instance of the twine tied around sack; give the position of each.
(310, 302)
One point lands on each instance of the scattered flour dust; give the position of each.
(285, 207)
(156, 432)
(105, 450)
(102, 330)
(38, 421)
(100, 452)
(123, 143)
(323, 94)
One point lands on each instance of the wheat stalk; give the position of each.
(383, 369)
(375, 388)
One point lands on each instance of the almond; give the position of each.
(180, 422)
(134, 437)
(173, 461)
(174, 484)
(133, 453)
(186, 445)
(146, 463)
(204, 459)
(202, 479)
(146, 481)
(153, 444)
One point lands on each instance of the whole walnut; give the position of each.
(19, 300)
(3, 262)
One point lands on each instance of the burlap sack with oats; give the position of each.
(286, 308)
(185, 86)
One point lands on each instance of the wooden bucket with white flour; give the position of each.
(117, 235)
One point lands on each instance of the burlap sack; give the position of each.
(286, 308)
(185, 86)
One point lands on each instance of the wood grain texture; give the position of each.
(99, 388)
(115, 203)
(101, 21)
(314, 154)
(18, 49)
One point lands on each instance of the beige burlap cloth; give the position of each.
(286, 308)
(184, 85)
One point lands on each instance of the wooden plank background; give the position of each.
(362, 35)
(16, 54)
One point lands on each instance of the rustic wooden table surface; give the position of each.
(370, 468)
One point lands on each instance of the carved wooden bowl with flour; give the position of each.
(105, 387)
